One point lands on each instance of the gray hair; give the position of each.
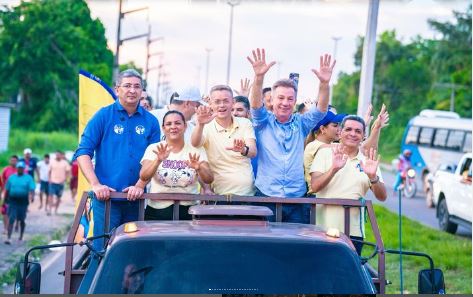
(221, 88)
(286, 83)
(356, 118)
(128, 73)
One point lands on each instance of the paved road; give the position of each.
(413, 208)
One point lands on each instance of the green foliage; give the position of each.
(40, 142)
(413, 76)
(450, 253)
(45, 43)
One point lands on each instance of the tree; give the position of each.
(44, 44)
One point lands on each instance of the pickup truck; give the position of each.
(225, 249)
(452, 195)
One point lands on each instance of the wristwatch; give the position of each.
(247, 149)
(375, 180)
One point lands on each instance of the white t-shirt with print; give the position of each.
(173, 174)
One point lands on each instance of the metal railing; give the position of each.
(73, 277)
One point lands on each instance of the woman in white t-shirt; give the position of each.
(173, 166)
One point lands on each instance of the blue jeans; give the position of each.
(120, 212)
(291, 213)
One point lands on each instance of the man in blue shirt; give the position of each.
(281, 134)
(118, 134)
(19, 188)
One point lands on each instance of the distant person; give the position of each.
(43, 168)
(74, 182)
(84, 223)
(268, 104)
(241, 107)
(402, 166)
(302, 108)
(20, 189)
(173, 166)
(145, 101)
(30, 163)
(229, 142)
(59, 170)
(281, 134)
(185, 101)
(6, 173)
(343, 171)
(118, 135)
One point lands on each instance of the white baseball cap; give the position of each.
(190, 94)
(27, 151)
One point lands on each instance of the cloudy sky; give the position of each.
(294, 33)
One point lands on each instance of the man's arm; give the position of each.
(204, 115)
(371, 168)
(319, 180)
(260, 68)
(381, 121)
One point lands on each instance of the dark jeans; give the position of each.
(120, 212)
(166, 214)
(295, 213)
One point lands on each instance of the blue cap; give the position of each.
(330, 117)
(20, 164)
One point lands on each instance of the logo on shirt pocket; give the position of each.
(140, 130)
(118, 129)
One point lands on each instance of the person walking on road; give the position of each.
(59, 170)
(43, 168)
(19, 188)
(6, 173)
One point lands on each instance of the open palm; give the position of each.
(259, 62)
(325, 72)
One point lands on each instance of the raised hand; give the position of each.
(162, 151)
(371, 163)
(204, 115)
(382, 120)
(193, 161)
(325, 72)
(244, 87)
(259, 62)
(368, 116)
(339, 158)
(238, 146)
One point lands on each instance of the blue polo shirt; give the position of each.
(280, 151)
(119, 142)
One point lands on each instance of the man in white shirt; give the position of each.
(185, 101)
(43, 168)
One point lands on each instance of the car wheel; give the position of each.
(444, 218)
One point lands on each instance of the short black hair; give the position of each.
(46, 155)
(14, 157)
(268, 89)
(244, 100)
(300, 107)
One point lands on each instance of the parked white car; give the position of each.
(452, 194)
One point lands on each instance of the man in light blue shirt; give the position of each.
(281, 134)
(118, 135)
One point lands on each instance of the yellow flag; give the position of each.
(93, 95)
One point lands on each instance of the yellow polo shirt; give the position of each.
(233, 173)
(350, 182)
(309, 154)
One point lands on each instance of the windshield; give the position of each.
(229, 266)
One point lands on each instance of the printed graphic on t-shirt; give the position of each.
(140, 129)
(175, 173)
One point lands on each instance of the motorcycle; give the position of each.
(409, 186)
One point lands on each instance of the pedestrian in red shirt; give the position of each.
(6, 173)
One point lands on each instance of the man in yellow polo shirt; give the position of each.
(342, 171)
(229, 141)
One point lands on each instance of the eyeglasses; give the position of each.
(129, 86)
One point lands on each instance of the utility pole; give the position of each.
(121, 15)
(452, 87)
(208, 50)
(149, 55)
(335, 42)
(232, 4)
(367, 62)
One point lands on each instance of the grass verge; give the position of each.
(450, 253)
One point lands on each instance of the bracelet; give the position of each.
(247, 149)
(375, 180)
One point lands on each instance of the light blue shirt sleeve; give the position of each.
(311, 118)
(260, 116)
(91, 136)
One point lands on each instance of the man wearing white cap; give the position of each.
(30, 163)
(185, 101)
